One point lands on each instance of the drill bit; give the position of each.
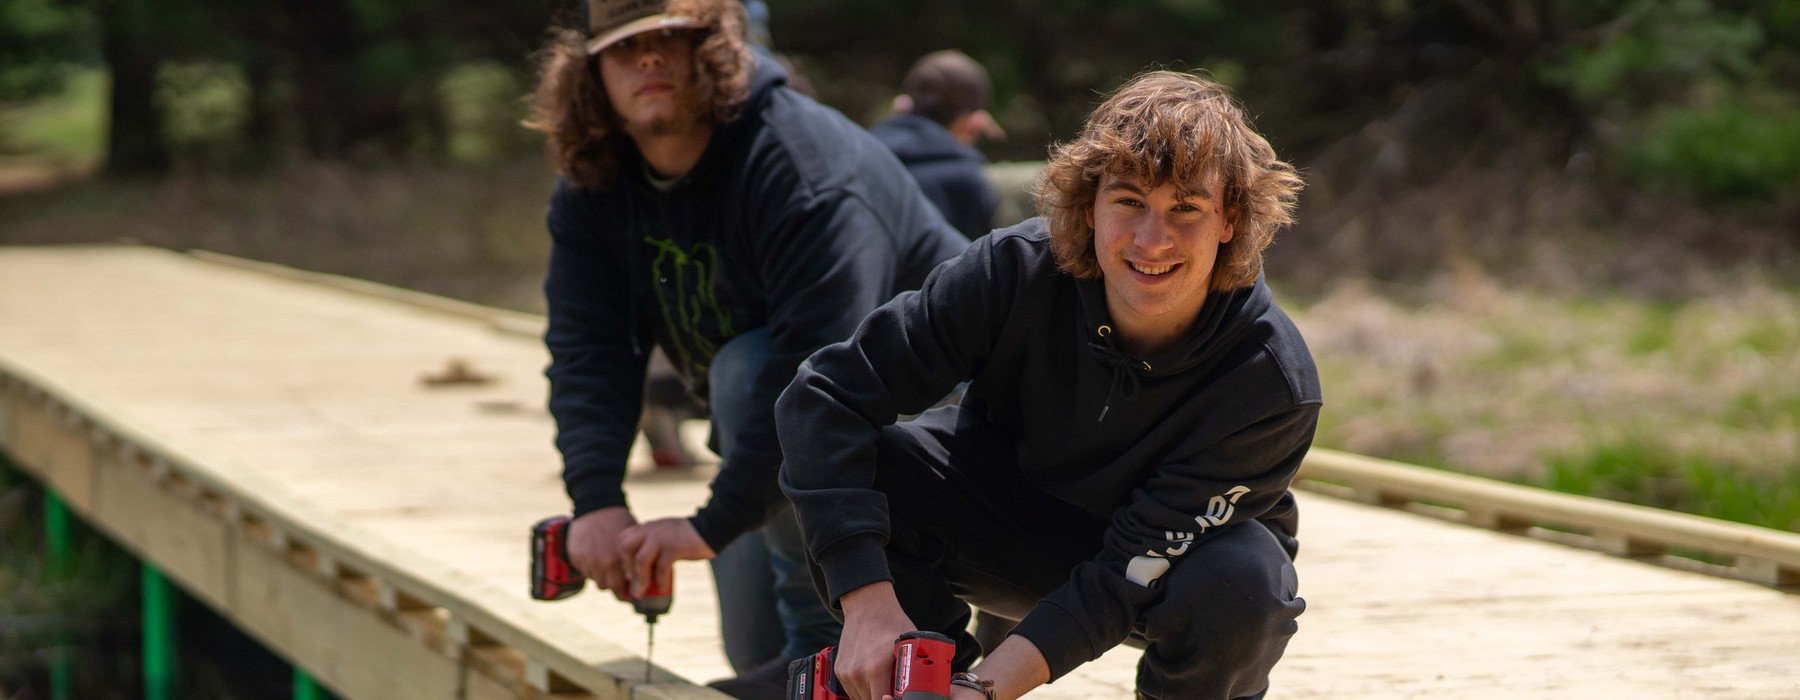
(652, 602)
(649, 648)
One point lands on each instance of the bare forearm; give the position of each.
(1016, 668)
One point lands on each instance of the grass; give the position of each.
(56, 137)
(1649, 470)
(1653, 402)
(67, 127)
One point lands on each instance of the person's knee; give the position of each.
(1245, 590)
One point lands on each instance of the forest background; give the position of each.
(1548, 241)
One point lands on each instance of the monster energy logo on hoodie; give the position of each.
(692, 316)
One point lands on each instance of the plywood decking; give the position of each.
(269, 444)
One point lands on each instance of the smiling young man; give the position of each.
(1119, 466)
(704, 208)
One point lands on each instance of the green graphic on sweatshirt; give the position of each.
(694, 317)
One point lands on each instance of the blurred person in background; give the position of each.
(939, 116)
(937, 122)
(705, 209)
(1119, 467)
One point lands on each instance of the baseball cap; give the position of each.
(946, 84)
(608, 21)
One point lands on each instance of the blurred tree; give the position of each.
(39, 41)
(1378, 95)
(133, 49)
(330, 78)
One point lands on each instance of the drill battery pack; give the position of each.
(921, 670)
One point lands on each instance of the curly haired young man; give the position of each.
(1119, 466)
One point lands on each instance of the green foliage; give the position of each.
(482, 109)
(1731, 152)
(39, 42)
(1762, 409)
(1653, 51)
(1699, 93)
(1649, 470)
(205, 105)
(62, 128)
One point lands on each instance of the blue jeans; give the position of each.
(762, 578)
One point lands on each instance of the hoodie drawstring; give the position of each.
(1123, 367)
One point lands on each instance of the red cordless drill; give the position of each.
(554, 578)
(921, 670)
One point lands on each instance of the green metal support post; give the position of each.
(62, 560)
(159, 635)
(305, 688)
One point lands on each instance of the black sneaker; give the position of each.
(765, 682)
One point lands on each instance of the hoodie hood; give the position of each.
(766, 77)
(915, 139)
(1222, 319)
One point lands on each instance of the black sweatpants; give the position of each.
(968, 529)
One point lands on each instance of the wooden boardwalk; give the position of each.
(268, 442)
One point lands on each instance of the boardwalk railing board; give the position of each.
(1763, 555)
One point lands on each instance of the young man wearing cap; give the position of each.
(1119, 466)
(704, 208)
(936, 124)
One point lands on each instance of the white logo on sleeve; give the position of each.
(1219, 509)
(1144, 569)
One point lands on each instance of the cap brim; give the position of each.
(639, 26)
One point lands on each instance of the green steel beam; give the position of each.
(305, 688)
(159, 635)
(61, 552)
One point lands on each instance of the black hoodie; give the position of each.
(1164, 448)
(948, 170)
(793, 219)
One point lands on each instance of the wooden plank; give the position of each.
(342, 644)
(507, 321)
(1492, 502)
(54, 444)
(11, 396)
(159, 524)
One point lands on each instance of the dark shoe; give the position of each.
(765, 682)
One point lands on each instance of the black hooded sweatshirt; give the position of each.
(794, 219)
(948, 170)
(1166, 448)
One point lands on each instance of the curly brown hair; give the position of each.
(583, 135)
(1165, 126)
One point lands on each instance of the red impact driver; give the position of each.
(921, 670)
(554, 578)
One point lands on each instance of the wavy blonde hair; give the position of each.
(569, 105)
(1164, 126)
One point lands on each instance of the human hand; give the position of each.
(655, 546)
(865, 658)
(594, 548)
